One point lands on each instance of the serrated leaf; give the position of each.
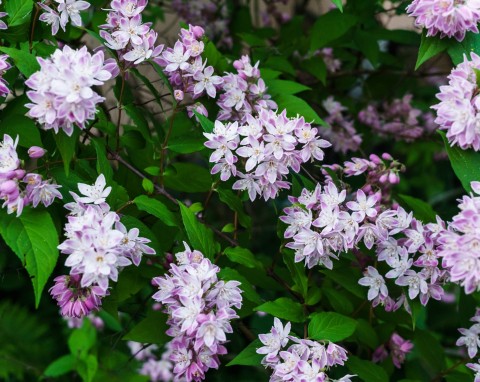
(465, 163)
(331, 326)
(150, 330)
(366, 370)
(34, 239)
(429, 48)
(200, 237)
(25, 62)
(156, 208)
(284, 308)
(249, 355)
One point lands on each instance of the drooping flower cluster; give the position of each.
(397, 347)
(326, 222)
(98, 246)
(199, 307)
(458, 110)
(263, 150)
(303, 360)
(448, 18)
(243, 93)
(340, 131)
(158, 370)
(471, 336)
(399, 119)
(19, 188)
(4, 66)
(187, 72)
(125, 33)
(62, 94)
(61, 12)
(3, 25)
(212, 16)
(460, 243)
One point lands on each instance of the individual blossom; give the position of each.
(476, 368)
(4, 66)
(458, 110)
(274, 341)
(61, 91)
(376, 283)
(397, 347)
(62, 12)
(199, 308)
(471, 337)
(447, 18)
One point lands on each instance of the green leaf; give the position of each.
(368, 45)
(236, 205)
(331, 326)
(430, 350)
(136, 115)
(297, 271)
(186, 144)
(366, 334)
(87, 368)
(17, 124)
(66, 145)
(206, 124)
(285, 87)
(422, 210)
(82, 340)
(34, 239)
(284, 308)
(339, 302)
(60, 366)
(156, 208)
(295, 105)
(249, 292)
(471, 43)
(187, 177)
(465, 163)
(18, 11)
(366, 370)
(338, 4)
(242, 256)
(25, 62)
(249, 355)
(150, 330)
(200, 237)
(147, 185)
(429, 48)
(330, 27)
(102, 163)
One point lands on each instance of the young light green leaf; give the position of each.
(156, 208)
(34, 239)
(284, 308)
(338, 4)
(331, 326)
(200, 237)
(235, 204)
(60, 366)
(249, 355)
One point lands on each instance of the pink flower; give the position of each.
(376, 283)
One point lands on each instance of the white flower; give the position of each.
(95, 194)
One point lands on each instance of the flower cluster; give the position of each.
(449, 18)
(158, 370)
(19, 188)
(326, 222)
(471, 337)
(398, 118)
(304, 360)
(458, 110)
(62, 94)
(77, 322)
(211, 15)
(243, 93)
(125, 33)
(460, 243)
(4, 66)
(62, 12)
(340, 131)
(98, 245)
(271, 144)
(3, 26)
(397, 347)
(199, 307)
(187, 72)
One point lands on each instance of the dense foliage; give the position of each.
(283, 191)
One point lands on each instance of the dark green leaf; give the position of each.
(187, 177)
(206, 124)
(60, 366)
(295, 105)
(156, 208)
(284, 308)
(285, 87)
(235, 204)
(102, 163)
(422, 210)
(18, 11)
(66, 145)
(150, 330)
(249, 355)
(331, 326)
(429, 48)
(24, 61)
(330, 27)
(366, 370)
(249, 292)
(242, 256)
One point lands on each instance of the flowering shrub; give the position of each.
(247, 191)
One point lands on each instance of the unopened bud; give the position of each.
(36, 152)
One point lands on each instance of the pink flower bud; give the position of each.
(198, 32)
(375, 159)
(387, 156)
(36, 152)
(393, 178)
(383, 178)
(238, 64)
(8, 187)
(178, 94)
(19, 174)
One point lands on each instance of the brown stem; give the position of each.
(120, 100)
(441, 374)
(34, 23)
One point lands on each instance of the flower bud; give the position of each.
(387, 156)
(35, 152)
(383, 178)
(375, 159)
(19, 174)
(198, 32)
(393, 178)
(8, 187)
(178, 94)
